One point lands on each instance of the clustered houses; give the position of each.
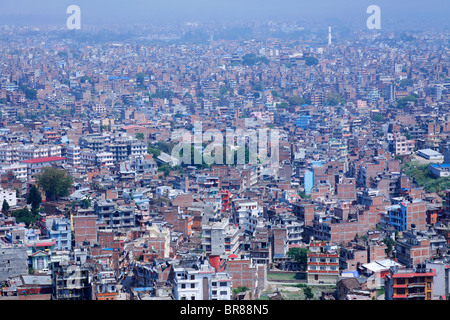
(140, 224)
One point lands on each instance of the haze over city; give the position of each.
(406, 14)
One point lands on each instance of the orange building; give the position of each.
(410, 284)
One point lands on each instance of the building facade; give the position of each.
(323, 263)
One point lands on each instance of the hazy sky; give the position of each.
(141, 11)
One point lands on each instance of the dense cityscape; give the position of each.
(248, 161)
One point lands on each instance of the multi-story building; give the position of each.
(145, 165)
(294, 228)
(137, 148)
(198, 280)
(28, 152)
(247, 273)
(91, 158)
(323, 263)
(260, 249)
(441, 284)
(70, 282)
(119, 151)
(145, 275)
(35, 166)
(9, 196)
(115, 217)
(105, 159)
(19, 170)
(73, 154)
(104, 285)
(58, 229)
(94, 142)
(226, 200)
(246, 214)
(88, 158)
(220, 238)
(8, 153)
(407, 214)
(13, 261)
(410, 284)
(447, 202)
(413, 248)
(402, 146)
(85, 228)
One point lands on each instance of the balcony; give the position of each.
(416, 295)
(417, 285)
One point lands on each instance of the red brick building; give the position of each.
(246, 274)
(85, 228)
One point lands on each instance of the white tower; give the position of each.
(329, 35)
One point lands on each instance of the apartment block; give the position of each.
(104, 286)
(200, 281)
(413, 248)
(220, 238)
(402, 146)
(279, 241)
(323, 263)
(410, 284)
(85, 228)
(407, 215)
(71, 282)
(13, 262)
(115, 216)
(247, 273)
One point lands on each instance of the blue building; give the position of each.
(396, 216)
(308, 181)
(303, 121)
(59, 229)
(309, 176)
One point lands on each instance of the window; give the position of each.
(223, 284)
(400, 291)
(214, 284)
(192, 285)
(223, 293)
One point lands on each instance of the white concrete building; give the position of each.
(105, 159)
(9, 195)
(73, 154)
(220, 238)
(246, 214)
(200, 281)
(19, 170)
